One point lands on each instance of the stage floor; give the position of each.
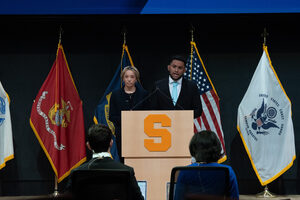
(281, 197)
(49, 197)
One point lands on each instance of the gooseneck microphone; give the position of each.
(144, 99)
(166, 96)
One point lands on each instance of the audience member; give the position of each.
(99, 140)
(205, 148)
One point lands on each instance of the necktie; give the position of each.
(174, 93)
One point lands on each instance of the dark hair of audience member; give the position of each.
(205, 147)
(99, 137)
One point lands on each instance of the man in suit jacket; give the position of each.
(100, 141)
(175, 92)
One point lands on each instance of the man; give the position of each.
(175, 92)
(100, 141)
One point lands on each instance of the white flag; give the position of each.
(265, 123)
(6, 140)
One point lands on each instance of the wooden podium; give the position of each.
(153, 142)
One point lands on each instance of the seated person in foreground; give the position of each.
(205, 148)
(99, 141)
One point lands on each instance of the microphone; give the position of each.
(144, 99)
(166, 96)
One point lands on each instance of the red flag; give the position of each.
(57, 119)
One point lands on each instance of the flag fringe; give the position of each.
(263, 183)
(265, 48)
(6, 159)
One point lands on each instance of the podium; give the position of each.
(153, 142)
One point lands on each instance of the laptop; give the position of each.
(143, 187)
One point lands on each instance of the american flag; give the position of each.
(210, 118)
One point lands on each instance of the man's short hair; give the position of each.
(205, 147)
(99, 137)
(178, 57)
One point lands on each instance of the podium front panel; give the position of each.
(157, 173)
(156, 133)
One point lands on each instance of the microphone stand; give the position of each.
(143, 100)
(166, 96)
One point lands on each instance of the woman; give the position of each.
(205, 148)
(130, 97)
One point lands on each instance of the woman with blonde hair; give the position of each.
(130, 97)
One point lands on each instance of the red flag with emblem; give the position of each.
(57, 119)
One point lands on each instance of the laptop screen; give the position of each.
(143, 188)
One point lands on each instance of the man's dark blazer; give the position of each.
(189, 97)
(108, 163)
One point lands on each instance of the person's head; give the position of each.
(205, 147)
(130, 75)
(99, 138)
(176, 67)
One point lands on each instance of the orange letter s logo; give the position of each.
(163, 133)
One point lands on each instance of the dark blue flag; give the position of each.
(102, 110)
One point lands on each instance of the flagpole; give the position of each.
(124, 35)
(124, 31)
(192, 49)
(56, 84)
(192, 32)
(60, 34)
(266, 193)
(264, 35)
(55, 193)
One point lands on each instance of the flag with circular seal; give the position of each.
(265, 123)
(6, 137)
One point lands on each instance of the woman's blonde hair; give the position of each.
(131, 68)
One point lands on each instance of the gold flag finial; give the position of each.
(192, 29)
(124, 32)
(60, 34)
(264, 35)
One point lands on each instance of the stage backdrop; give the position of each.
(62, 7)
(230, 46)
